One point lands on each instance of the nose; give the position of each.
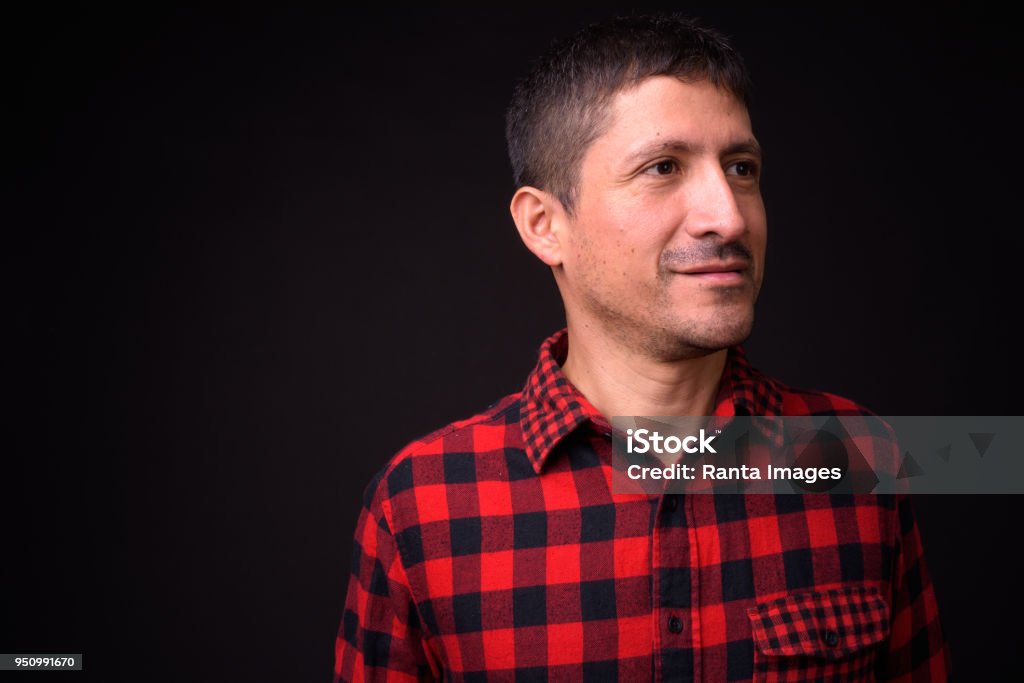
(712, 206)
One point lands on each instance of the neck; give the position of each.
(622, 381)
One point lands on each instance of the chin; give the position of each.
(719, 342)
(715, 334)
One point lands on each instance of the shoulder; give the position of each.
(805, 401)
(760, 393)
(873, 437)
(435, 458)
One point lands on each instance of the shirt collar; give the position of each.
(552, 408)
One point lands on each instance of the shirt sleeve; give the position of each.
(380, 637)
(918, 650)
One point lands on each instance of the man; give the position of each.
(495, 548)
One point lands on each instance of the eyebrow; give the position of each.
(750, 146)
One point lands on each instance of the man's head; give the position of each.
(636, 167)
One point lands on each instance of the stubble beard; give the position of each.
(660, 330)
(661, 333)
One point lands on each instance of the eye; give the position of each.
(663, 167)
(745, 168)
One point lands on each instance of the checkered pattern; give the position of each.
(836, 629)
(494, 549)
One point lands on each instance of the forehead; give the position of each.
(662, 108)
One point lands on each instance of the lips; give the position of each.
(720, 273)
(720, 267)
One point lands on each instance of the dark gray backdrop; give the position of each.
(250, 255)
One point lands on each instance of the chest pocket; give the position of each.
(819, 635)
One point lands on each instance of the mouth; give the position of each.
(720, 273)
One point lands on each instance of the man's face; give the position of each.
(666, 251)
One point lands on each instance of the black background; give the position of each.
(250, 255)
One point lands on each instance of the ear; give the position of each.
(539, 218)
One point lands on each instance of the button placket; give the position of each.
(672, 583)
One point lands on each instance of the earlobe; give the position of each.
(537, 219)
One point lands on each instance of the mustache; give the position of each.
(705, 252)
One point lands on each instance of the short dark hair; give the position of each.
(561, 106)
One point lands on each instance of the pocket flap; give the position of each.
(827, 624)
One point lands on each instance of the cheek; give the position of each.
(757, 225)
(622, 242)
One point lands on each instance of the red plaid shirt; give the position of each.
(494, 549)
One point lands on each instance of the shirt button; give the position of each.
(670, 502)
(675, 624)
(831, 638)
